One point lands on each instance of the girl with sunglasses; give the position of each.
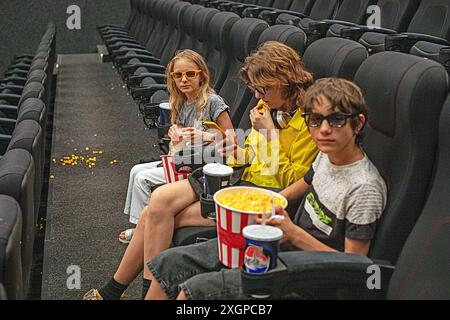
(279, 69)
(192, 101)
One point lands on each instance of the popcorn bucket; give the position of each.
(169, 170)
(231, 222)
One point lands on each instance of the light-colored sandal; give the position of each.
(128, 234)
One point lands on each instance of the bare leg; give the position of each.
(182, 296)
(166, 202)
(191, 217)
(156, 292)
(132, 261)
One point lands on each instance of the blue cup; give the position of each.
(164, 114)
(261, 248)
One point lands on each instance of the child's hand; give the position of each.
(174, 133)
(261, 120)
(191, 134)
(227, 146)
(285, 223)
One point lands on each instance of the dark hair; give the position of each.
(343, 95)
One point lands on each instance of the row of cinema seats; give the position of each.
(401, 136)
(25, 94)
(157, 28)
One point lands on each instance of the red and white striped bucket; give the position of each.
(169, 170)
(230, 223)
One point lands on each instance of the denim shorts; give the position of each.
(196, 270)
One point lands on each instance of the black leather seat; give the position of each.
(17, 180)
(429, 24)
(27, 135)
(421, 271)
(244, 38)
(10, 253)
(334, 57)
(401, 141)
(396, 17)
(347, 14)
(321, 9)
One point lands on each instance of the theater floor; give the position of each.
(97, 138)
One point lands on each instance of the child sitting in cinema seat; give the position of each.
(192, 101)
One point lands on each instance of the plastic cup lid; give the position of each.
(217, 170)
(262, 233)
(165, 105)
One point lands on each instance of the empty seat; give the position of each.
(429, 23)
(17, 180)
(395, 16)
(10, 253)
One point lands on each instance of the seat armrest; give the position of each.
(301, 272)
(116, 46)
(16, 72)
(405, 41)
(151, 67)
(355, 32)
(8, 125)
(122, 52)
(253, 12)
(136, 80)
(15, 89)
(13, 99)
(16, 80)
(239, 9)
(145, 93)
(142, 57)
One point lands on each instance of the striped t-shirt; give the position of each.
(342, 201)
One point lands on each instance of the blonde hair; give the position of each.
(176, 97)
(274, 63)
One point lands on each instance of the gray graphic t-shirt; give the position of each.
(342, 201)
(189, 116)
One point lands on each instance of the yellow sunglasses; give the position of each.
(190, 74)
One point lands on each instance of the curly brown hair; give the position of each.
(274, 63)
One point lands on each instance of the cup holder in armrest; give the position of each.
(207, 207)
(265, 285)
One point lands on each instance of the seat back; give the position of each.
(173, 42)
(201, 22)
(405, 95)
(32, 90)
(397, 14)
(219, 48)
(334, 57)
(156, 41)
(353, 11)
(422, 270)
(187, 24)
(244, 38)
(165, 29)
(431, 18)
(17, 181)
(323, 9)
(27, 135)
(10, 253)
(281, 4)
(302, 6)
(288, 35)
